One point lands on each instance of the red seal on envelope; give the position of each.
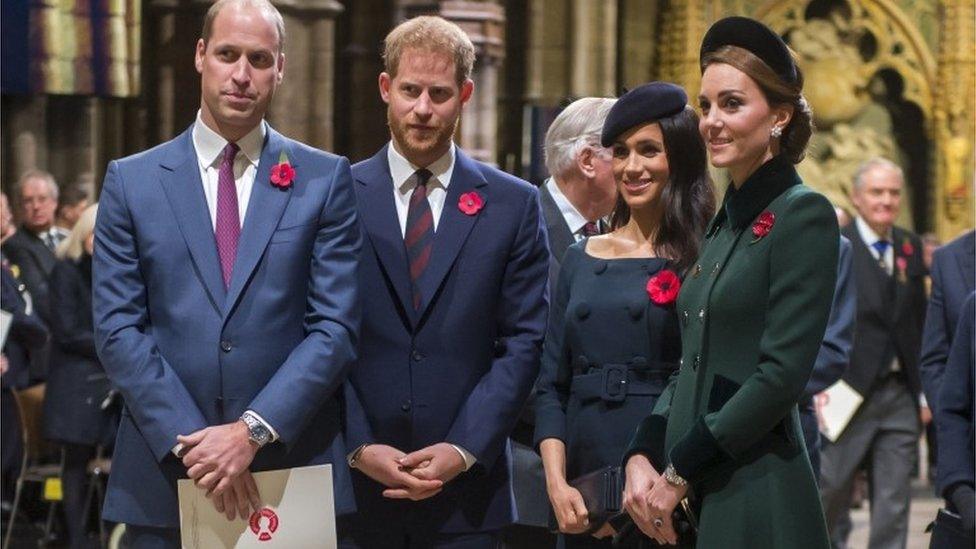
(263, 523)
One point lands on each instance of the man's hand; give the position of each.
(925, 414)
(240, 498)
(441, 461)
(569, 508)
(641, 477)
(380, 463)
(217, 454)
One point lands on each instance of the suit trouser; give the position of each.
(883, 434)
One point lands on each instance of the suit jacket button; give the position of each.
(225, 346)
(416, 355)
(405, 406)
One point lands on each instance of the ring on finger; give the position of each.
(658, 523)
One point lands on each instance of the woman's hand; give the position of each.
(570, 510)
(662, 500)
(641, 477)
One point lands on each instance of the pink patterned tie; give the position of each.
(228, 228)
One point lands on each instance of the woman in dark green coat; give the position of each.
(753, 313)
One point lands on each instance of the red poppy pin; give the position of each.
(902, 265)
(762, 226)
(470, 203)
(907, 248)
(282, 173)
(663, 288)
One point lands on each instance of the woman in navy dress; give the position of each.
(76, 386)
(613, 338)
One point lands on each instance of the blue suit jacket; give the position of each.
(835, 350)
(956, 406)
(953, 275)
(460, 369)
(187, 353)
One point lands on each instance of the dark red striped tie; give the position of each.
(419, 237)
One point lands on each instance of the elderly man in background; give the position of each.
(890, 277)
(576, 198)
(30, 249)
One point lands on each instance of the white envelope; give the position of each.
(836, 406)
(299, 512)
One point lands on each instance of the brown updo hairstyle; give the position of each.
(778, 92)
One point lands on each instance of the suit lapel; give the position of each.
(379, 216)
(180, 180)
(901, 281)
(560, 234)
(453, 226)
(264, 209)
(866, 265)
(966, 260)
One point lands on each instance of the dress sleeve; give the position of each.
(552, 390)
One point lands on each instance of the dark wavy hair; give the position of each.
(689, 198)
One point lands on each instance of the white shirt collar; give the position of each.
(210, 144)
(574, 219)
(401, 169)
(867, 233)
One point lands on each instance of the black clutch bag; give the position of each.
(948, 533)
(602, 492)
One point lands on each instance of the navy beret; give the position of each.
(645, 103)
(755, 37)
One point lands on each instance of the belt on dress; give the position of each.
(613, 382)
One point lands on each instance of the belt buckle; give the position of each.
(614, 386)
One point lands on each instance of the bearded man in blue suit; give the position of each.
(454, 283)
(225, 295)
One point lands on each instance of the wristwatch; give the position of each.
(257, 431)
(672, 476)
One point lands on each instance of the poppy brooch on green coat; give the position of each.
(762, 226)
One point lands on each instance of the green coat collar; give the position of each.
(741, 206)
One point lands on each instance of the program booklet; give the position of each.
(299, 511)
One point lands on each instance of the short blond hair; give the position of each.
(433, 34)
(74, 246)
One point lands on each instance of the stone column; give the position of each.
(952, 192)
(593, 48)
(303, 105)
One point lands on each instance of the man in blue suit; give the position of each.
(225, 294)
(454, 283)
(953, 278)
(835, 351)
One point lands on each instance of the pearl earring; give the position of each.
(776, 131)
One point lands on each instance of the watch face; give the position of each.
(260, 434)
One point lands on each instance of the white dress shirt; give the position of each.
(574, 220)
(209, 148)
(401, 170)
(870, 237)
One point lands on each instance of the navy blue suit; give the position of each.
(953, 278)
(956, 407)
(459, 369)
(835, 350)
(187, 353)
